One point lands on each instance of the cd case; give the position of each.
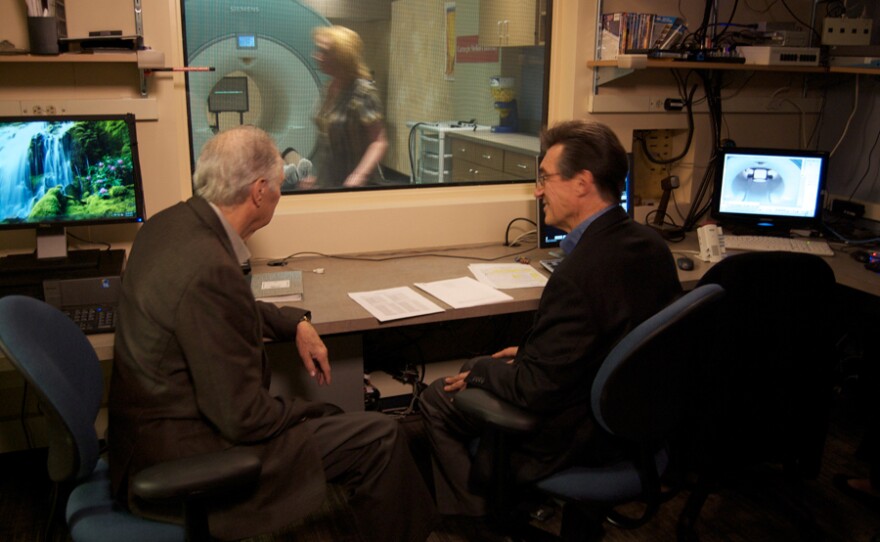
(286, 284)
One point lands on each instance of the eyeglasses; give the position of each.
(542, 178)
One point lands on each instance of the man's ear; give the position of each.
(257, 189)
(585, 183)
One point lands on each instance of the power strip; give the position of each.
(843, 31)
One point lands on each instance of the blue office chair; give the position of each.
(637, 395)
(764, 392)
(58, 362)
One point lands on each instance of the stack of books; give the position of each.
(627, 33)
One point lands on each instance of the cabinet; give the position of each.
(509, 23)
(476, 162)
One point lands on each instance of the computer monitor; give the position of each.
(68, 171)
(769, 190)
(549, 236)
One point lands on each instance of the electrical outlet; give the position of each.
(844, 31)
(656, 104)
(42, 108)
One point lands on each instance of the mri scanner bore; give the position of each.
(266, 73)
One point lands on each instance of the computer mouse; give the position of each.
(684, 263)
(861, 256)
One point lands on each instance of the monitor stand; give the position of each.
(51, 255)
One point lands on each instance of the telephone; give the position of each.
(711, 239)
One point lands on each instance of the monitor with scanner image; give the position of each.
(63, 171)
(769, 190)
(549, 236)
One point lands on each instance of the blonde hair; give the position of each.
(346, 48)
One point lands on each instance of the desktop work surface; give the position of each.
(343, 323)
(327, 281)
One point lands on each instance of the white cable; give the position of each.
(849, 120)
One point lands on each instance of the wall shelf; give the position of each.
(610, 70)
(116, 57)
(122, 57)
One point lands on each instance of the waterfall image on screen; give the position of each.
(66, 171)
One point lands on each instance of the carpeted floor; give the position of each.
(752, 513)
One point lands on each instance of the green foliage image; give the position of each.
(75, 171)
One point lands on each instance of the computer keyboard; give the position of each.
(92, 318)
(550, 265)
(785, 244)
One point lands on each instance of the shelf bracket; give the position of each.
(607, 74)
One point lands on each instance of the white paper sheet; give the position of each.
(506, 276)
(395, 303)
(463, 292)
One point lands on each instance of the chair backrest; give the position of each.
(766, 386)
(638, 391)
(58, 362)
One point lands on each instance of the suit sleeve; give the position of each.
(555, 359)
(279, 323)
(218, 328)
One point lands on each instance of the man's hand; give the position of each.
(313, 352)
(456, 383)
(509, 352)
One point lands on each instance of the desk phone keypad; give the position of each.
(92, 318)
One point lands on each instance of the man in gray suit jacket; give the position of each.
(191, 375)
(615, 275)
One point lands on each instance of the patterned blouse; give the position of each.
(343, 134)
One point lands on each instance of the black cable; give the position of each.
(688, 103)
(727, 25)
(509, 224)
(868, 165)
(795, 17)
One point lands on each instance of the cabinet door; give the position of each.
(508, 23)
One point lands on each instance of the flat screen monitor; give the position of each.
(68, 171)
(549, 236)
(769, 190)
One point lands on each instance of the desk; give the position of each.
(343, 323)
(847, 271)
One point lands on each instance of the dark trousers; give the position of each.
(451, 434)
(367, 453)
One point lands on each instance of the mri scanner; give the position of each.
(264, 72)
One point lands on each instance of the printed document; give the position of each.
(508, 275)
(463, 292)
(395, 303)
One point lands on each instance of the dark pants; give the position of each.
(367, 453)
(451, 434)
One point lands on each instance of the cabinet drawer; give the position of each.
(488, 156)
(484, 155)
(461, 149)
(467, 171)
(521, 165)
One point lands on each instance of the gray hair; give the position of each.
(231, 161)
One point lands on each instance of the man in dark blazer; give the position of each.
(615, 274)
(191, 375)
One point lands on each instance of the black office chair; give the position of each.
(58, 362)
(765, 389)
(636, 395)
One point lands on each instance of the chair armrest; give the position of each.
(489, 408)
(201, 475)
